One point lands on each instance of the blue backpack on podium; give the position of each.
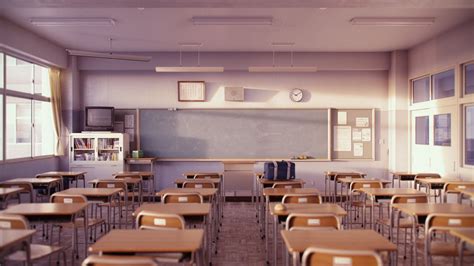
(282, 170)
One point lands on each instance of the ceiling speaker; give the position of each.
(234, 94)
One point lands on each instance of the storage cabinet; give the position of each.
(99, 154)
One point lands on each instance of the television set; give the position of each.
(99, 118)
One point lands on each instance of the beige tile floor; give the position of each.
(239, 241)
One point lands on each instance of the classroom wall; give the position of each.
(364, 87)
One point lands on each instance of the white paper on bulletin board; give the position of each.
(341, 118)
(362, 121)
(342, 138)
(356, 134)
(131, 133)
(358, 149)
(366, 134)
(129, 121)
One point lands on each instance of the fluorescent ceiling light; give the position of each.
(282, 69)
(427, 21)
(110, 55)
(71, 22)
(232, 20)
(189, 69)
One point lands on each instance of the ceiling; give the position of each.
(309, 27)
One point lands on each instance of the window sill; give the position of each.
(27, 159)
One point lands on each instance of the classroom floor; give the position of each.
(239, 241)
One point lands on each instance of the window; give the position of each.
(28, 119)
(442, 130)
(1, 72)
(469, 135)
(421, 90)
(422, 133)
(469, 78)
(443, 84)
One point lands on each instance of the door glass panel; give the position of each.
(443, 84)
(422, 133)
(442, 130)
(469, 79)
(469, 136)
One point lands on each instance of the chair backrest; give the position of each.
(302, 198)
(443, 221)
(298, 221)
(201, 184)
(427, 175)
(25, 186)
(288, 185)
(67, 198)
(108, 260)
(127, 175)
(207, 175)
(355, 186)
(348, 175)
(112, 184)
(313, 256)
(451, 187)
(10, 221)
(154, 220)
(182, 198)
(409, 199)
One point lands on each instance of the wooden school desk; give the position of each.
(38, 183)
(134, 183)
(12, 240)
(298, 240)
(149, 241)
(419, 212)
(6, 193)
(469, 192)
(466, 236)
(304, 208)
(66, 177)
(346, 182)
(435, 184)
(376, 194)
(402, 176)
(53, 213)
(276, 195)
(330, 176)
(147, 177)
(102, 195)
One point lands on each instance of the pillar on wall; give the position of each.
(398, 118)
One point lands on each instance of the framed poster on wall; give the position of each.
(191, 91)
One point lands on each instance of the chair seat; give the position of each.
(368, 204)
(403, 223)
(79, 223)
(37, 252)
(442, 248)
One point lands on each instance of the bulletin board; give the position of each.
(353, 134)
(126, 121)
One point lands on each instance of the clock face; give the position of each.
(296, 95)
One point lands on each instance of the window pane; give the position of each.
(442, 130)
(41, 81)
(43, 129)
(422, 133)
(469, 141)
(421, 90)
(1, 127)
(19, 75)
(469, 78)
(18, 127)
(1, 72)
(443, 84)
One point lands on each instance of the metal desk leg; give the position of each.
(296, 258)
(266, 228)
(275, 240)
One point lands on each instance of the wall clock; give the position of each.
(296, 95)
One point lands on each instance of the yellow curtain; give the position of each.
(55, 83)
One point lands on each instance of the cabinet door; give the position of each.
(82, 149)
(109, 149)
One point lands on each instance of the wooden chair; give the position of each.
(288, 185)
(439, 222)
(37, 251)
(92, 223)
(301, 221)
(120, 203)
(108, 260)
(133, 192)
(26, 187)
(338, 176)
(422, 176)
(451, 188)
(182, 198)
(313, 256)
(302, 198)
(357, 200)
(202, 184)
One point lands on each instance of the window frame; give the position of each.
(4, 93)
(412, 91)
(463, 79)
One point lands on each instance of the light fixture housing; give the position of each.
(197, 69)
(251, 21)
(126, 57)
(72, 22)
(269, 69)
(372, 21)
